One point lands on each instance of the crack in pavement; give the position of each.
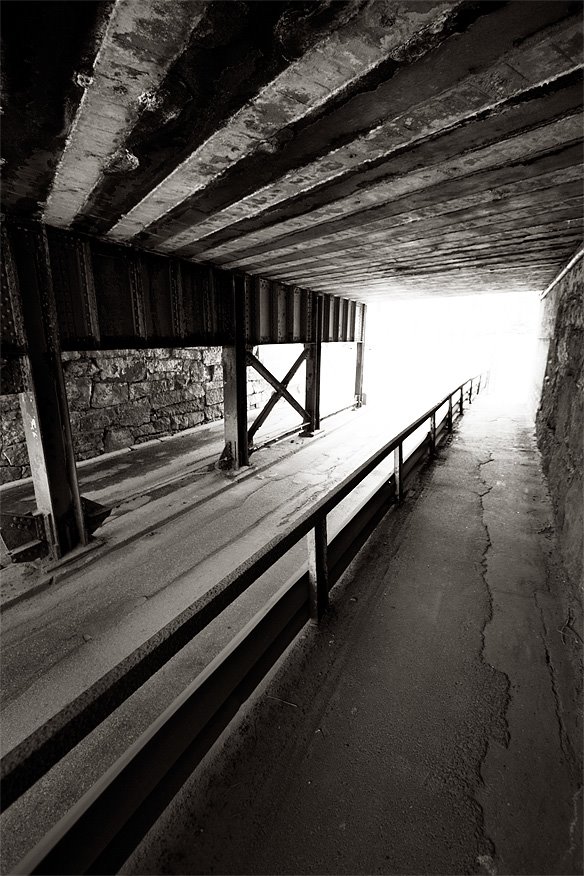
(499, 729)
(484, 571)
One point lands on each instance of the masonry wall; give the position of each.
(125, 397)
(560, 417)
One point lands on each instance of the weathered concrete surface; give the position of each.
(239, 133)
(50, 653)
(560, 418)
(156, 553)
(433, 725)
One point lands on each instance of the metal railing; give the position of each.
(106, 824)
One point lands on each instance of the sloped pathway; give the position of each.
(433, 724)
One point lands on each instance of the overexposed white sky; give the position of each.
(420, 349)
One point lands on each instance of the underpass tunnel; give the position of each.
(291, 447)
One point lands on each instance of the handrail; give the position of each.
(127, 799)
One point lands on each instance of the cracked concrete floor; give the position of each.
(432, 725)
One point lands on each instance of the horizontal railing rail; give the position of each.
(106, 824)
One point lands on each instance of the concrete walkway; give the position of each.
(432, 725)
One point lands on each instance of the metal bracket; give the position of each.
(94, 514)
(25, 535)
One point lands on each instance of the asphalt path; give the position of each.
(433, 724)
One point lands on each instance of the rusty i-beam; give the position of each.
(313, 367)
(43, 403)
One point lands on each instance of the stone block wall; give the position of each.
(13, 456)
(560, 418)
(125, 397)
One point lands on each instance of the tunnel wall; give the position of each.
(560, 417)
(125, 397)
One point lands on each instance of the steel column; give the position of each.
(236, 453)
(359, 397)
(44, 405)
(313, 363)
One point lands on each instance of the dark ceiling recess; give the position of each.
(47, 51)
(236, 50)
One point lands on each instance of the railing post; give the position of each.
(398, 462)
(318, 570)
(433, 434)
(461, 402)
(449, 419)
(470, 392)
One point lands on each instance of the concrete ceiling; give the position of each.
(365, 148)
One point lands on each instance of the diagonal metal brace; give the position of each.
(279, 386)
(275, 397)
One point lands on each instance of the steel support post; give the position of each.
(313, 360)
(470, 392)
(398, 463)
(359, 397)
(236, 452)
(461, 401)
(44, 405)
(318, 570)
(449, 419)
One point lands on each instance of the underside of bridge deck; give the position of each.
(243, 173)
(358, 148)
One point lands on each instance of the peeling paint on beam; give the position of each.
(404, 216)
(446, 197)
(434, 153)
(41, 92)
(139, 44)
(508, 151)
(322, 72)
(469, 97)
(544, 235)
(467, 227)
